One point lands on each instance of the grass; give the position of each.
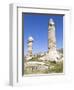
(57, 67)
(53, 67)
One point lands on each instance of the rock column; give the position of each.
(51, 35)
(52, 52)
(30, 46)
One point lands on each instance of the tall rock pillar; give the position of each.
(30, 46)
(51, 35)
(52, 52)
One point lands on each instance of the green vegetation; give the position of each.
(34, 59)
(56, 67)
(53, 67)
(29, 71)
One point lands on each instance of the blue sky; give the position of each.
(36, 25)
